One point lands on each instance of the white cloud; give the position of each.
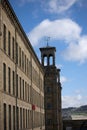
(63, 79)
(77, 51)
(53, 6)
(66, 30)
(73, 101)
(58, 6)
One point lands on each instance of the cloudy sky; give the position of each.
(65, 22)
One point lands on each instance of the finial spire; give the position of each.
(47, 40)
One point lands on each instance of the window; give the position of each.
(49, 106)
(23, 89)
(30, 122)
(4, 76)
(9, 117)
(45, 61)
(21, 118)
(5, 117)
(30, 68)
(51, 60)
(17, 85)
(9, 43)
(13, 48)
(13, 117)
(19, 56)
(13, 83)
(27, 67)
(20, 87)
(9, 80)
(28, 93)
(16, 53)
(22, 60)
(25, 63)
(49, 121)
(4, 37)
(49, 90)
(26, 119)
(17, 118)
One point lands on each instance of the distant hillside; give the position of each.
(68, 112)
(82, 109)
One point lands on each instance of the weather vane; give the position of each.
(47, 40)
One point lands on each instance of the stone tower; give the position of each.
(52, 89)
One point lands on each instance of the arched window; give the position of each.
(50, 60)
(45, 60)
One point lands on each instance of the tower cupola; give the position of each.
(48, 56)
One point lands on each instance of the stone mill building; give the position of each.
(30, 92)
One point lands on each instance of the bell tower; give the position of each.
(49, 54)
(52, 89)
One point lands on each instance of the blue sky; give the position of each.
(65, 22)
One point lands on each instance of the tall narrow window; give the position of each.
(30, 114)
(19, 56)
(17, 118)
(17, 85)
(13, 83)
(25, 63)
(16, 52)
(5, 117)
(49, 106)
(9, 43)
(22, 60)
(4, 37)
(28, 93)
(30, 68)
(9, 80)
(26, 118)
(51, 60)
(45, 61)
(23, 89)
(27, 67)
(21, 118)
(20, 87)
(13, 117)
(4, 76)
(9, 117)
(13, 48)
